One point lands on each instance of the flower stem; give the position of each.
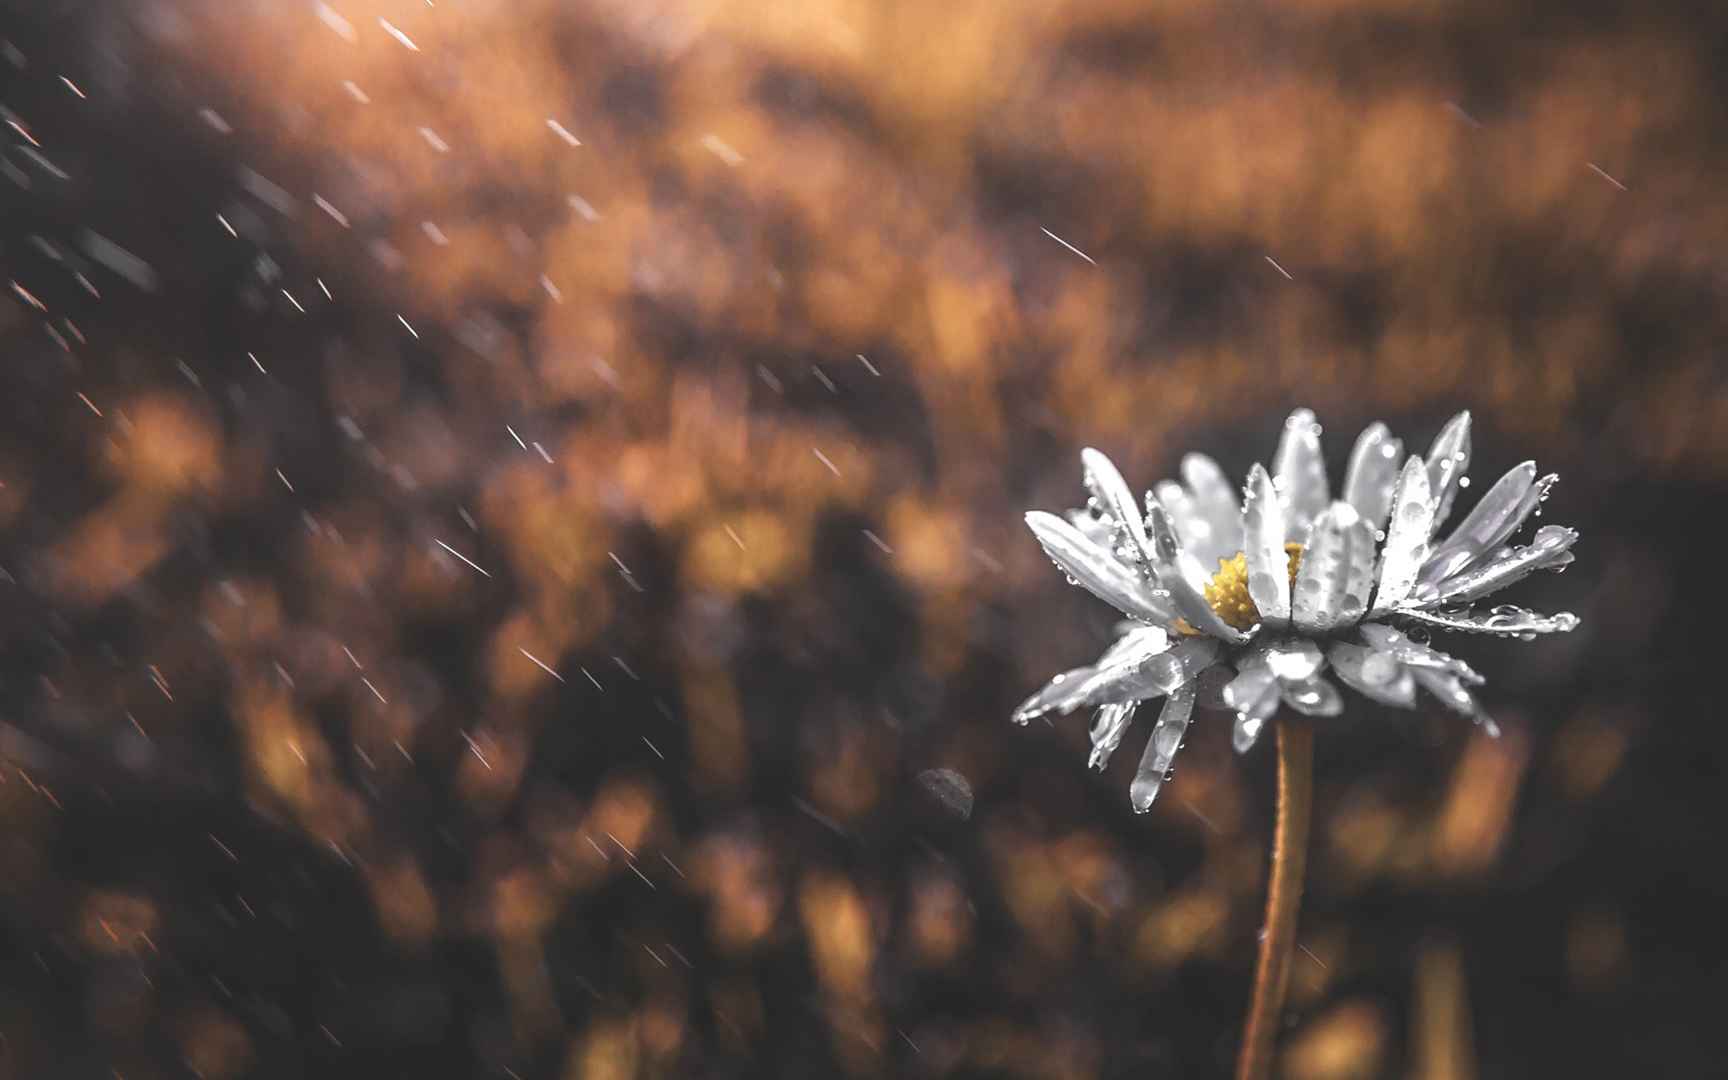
(1283, 896)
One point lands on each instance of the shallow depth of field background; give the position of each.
(363, 361)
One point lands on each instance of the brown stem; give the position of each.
(1283, 896)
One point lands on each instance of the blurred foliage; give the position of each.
(484, 563)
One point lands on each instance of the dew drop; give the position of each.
(1379, 669)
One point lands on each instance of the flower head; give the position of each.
(1278, 586)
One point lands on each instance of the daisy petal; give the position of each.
(1116, 676)
(1407, 535)
(1289, 659)
(1151, 675)
(1415, 655)
(1137, 640)
(1505, 568)
(1505, 621)
(1249, 687)
(1191, 525)
(1373, 473)
(1314, 697)
(1301, 473)
(1215, 499)
(1384, 682)
(1178, 573)
(1097, 571)
(1066, 692)
(1161, 747)
(1108, 727)
(1263, 540)
(1117, 502)
(1336, 573)
(1450, 690)
(1250, 721)
(1448, 460)
(1099, 530)
(1210, 686)
(1489, 522)
(1207, 480)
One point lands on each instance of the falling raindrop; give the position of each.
(950, 789)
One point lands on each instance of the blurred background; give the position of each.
(506, 508)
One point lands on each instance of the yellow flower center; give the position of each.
(1227, 592)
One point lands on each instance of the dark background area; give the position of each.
(738, 403)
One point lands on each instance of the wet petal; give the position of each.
(1152, 675)
(1249, 686)
(1097, 571)
(1191, 525)
(1448, 461)
(1100, 530)
(1137, 641)
(1116, 676)
(1108, 727)
(1314, 697)
(1263, 540)
(1489, 523)
(1336, 573)
(1373, 473)
(1301, 474)
(1215, 498)
(1505, 621)
(1066, 692)
(1211, 685)
(1179, 574)
(1504, 568)
(1407, 535)
(1386, 682)
(1207, 480)
(1530, 504)
(1399, 646)
(1117, 502)
(1161, 747)
(1450, 690)
(1293, 659)
(1250, 721)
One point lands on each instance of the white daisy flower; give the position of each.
(1303, 582)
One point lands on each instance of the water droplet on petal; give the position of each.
(1379, 669)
